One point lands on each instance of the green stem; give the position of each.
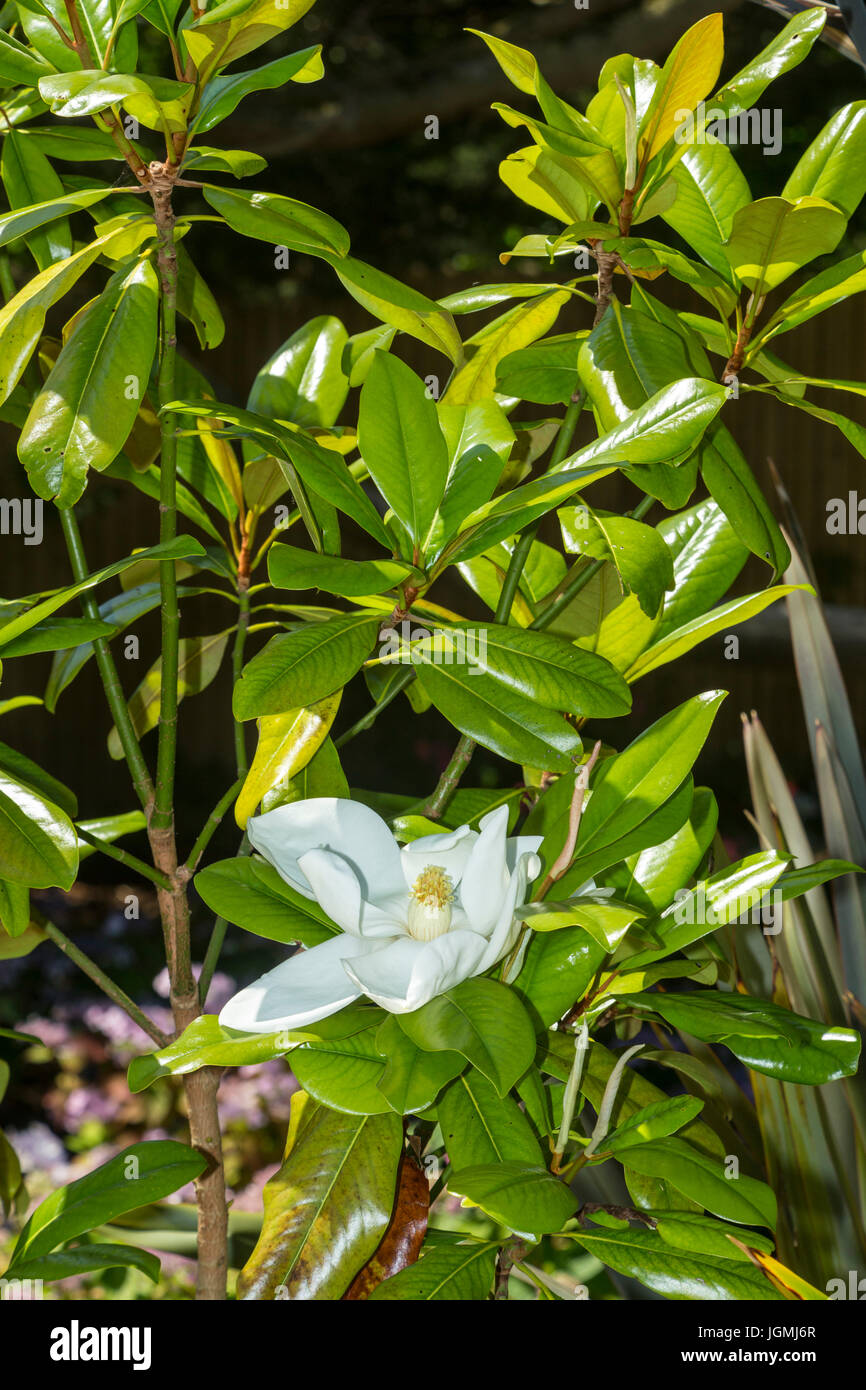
(99, 977)
(106, 666)
(372, 715)
(241, 756)
(124, 857)
(212, 824)
(450, 779)
(163, 809)
(582, 578)
(7, 283)
(462, 755)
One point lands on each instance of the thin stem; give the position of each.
(211, 825)
(99, 977)
(400, 683)
(79, 41)
(124, 857)
(200, 1087)
(7, 283)
(582, 578)
(462, 755)
(450, 779)
(271, 537)
(241, 756)
(170, 613)
(106, 666)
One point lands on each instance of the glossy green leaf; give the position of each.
(412, 1078)
(705, 1181)
(785, 51)
(688, 75)
(87, 407)
(644, 1256)
(480, 1126)
(475, 380)
(545, 372)
(57, 634)
(344, 1073)
(287, 743)
(400, 307)
(710, 190)
(773, 237)
(834, 166)
(20, 65)
(523, 1196)
(22, 319)
(301, 458)
(38, 842)
(484, 1021)
(157, 102)
(721, 619)
(281, 221)
(84, 1259)
(222, 94)
(142, 1173)
(22, 221)
(557, 970)
(327, 1208)
(304, 381)
(229, 30)
(548, 670)
(449, 1272)
(402, 444)
(29, 178)
(638, 552)
(298, 668)
(205, 1043)
(830, 287)
(14, 910)
(729, 894)
(654, 1121)
(766, 1037)
(251, 894)
(731, 483)
(116, 613)
(629, 787)
(497, 716)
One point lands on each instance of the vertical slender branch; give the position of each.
(169, 610)
(241, 756)
(106, 666)
(202, 1086)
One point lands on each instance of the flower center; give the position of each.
(430, 904)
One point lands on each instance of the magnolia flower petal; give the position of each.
(309, 986)
(506, 928)
(521, 844)
(335, 887)
(327, 822)
(406, 974)
(449, 852)
(485, 878)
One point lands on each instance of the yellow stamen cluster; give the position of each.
(433, 887)
(430, 901)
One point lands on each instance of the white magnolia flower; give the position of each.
(413, 922)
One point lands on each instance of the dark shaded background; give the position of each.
(435, 214)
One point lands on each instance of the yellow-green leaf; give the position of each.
(689, 74)
(287, 742)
